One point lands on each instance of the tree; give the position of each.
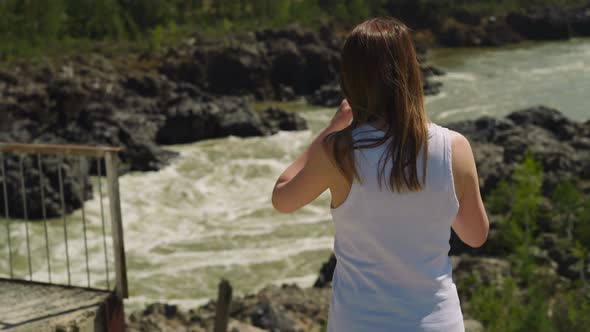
(527, 182)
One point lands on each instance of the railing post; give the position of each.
(111, 161)
(222, 310)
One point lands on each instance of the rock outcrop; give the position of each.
(89, 101)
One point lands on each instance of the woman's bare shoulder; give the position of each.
(461, 147)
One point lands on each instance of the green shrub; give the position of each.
(519, 201)
(567, 201)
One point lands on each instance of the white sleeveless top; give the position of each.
(393, 272)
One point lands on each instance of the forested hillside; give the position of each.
(34, 27)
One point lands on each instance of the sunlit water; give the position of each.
(208, 215)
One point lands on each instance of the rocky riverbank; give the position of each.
(440, 23)
(200, 90)
(559, 144)
(286, 308)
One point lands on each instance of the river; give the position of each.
(208, 215)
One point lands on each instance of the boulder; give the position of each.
(277, 119)
(239, 69)
(188, 120)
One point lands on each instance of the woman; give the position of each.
(398, 184)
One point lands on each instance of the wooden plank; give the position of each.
(58, 149)
(111, 161)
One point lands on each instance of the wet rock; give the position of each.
(188, 120)
(277, 119)
(431, 88)
(326, 273)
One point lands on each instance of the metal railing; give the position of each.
(99, 156)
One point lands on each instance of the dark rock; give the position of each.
(288, 65)
(561, 251)
(285, 93)
(416, 14)
(188, 121)
(239, 70)
(278, 119)
(321, 64)
(431, 88)
(185, 70)
(268, 317)
(75, 185)
(242, 122)
(455, 34)
(467, 17)
(145, 85)
(328, 95)
(540, 23)
(580, 22)
(8, 78)
(326, 273)
(498, 144)
(429, 71)
(498, 33)
(490, 33)
(547, 118)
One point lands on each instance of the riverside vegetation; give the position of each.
(42, 27)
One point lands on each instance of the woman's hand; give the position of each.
(342, 118)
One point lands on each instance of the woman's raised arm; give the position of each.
(310, 174)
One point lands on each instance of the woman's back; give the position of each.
(393, 272)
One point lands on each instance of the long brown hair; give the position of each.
(381, 79)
